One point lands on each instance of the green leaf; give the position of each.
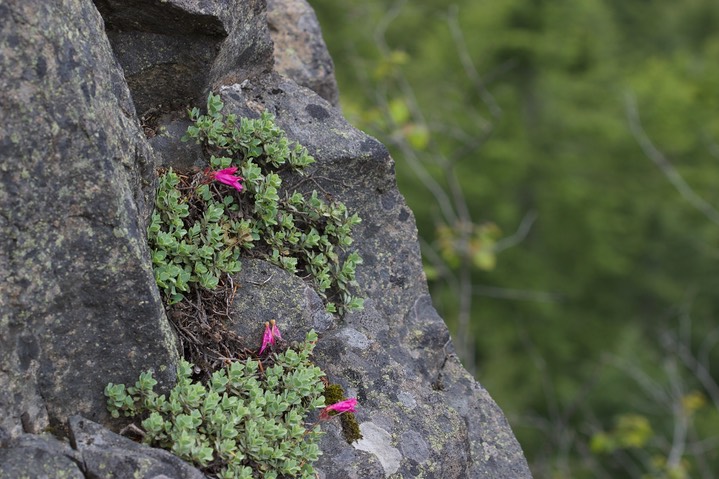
(203, 191)
(398, 111)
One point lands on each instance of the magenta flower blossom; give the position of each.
(227, 176)
(348, 405)
(267, 338)
(270, 336)
(275, 331)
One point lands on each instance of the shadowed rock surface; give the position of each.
(36, 456)
(79, 306)
(93, 453)
(78, 302)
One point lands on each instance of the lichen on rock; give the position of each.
(78, 303)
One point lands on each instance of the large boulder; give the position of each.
(101, 451)
(421, 413)
(78, 305)
(168, 49)
(78, 302)
(300, 52)
(38, 456)
(93, 453)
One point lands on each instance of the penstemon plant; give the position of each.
(243, 422)
(247, 421)
(199, 230)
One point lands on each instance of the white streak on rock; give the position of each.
(378, 441)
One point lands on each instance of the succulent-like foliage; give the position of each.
(246, 419)
(244, 423)
(199, 228)
(194, 248)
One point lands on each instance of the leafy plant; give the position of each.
(198, 230)
(194, 249)
(243, 423)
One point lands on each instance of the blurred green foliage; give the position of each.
(606, 308)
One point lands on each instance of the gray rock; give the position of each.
(421, 414)
(170, 151)
(165, 48)
(96, 453)
(266, 292)
(300, 52)
(170, 50)
(78, 303)
(164, 72)
(39, 456)
(36, 463)
(104, 451)
(247, 51)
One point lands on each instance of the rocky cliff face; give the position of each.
(78, 303)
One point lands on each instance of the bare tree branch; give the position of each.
(652, 388)
(468, 64)
(663, 163)
(681, 420)
(408, 152)
(522, 231)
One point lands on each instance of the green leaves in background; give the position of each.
(525, 102)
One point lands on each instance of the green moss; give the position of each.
(334, 393)
(350, 428)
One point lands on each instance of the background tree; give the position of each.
(582, 278)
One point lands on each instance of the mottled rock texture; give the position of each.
(93, 453)
(422, 415)
(78, 305)
(172, 50)
(300, 52)
(102, 451)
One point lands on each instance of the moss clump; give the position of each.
(334, 394)
(350, 428)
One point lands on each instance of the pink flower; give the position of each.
(267, 338)
(275, 331)
(227, 176)
(270, 336)
(348, 405)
